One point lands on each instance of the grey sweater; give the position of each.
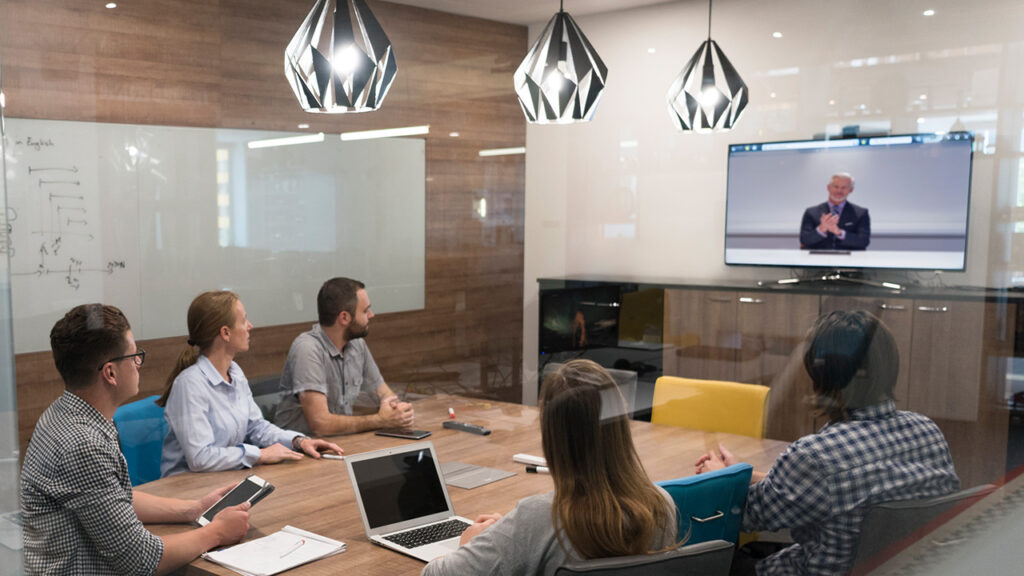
(522, 542)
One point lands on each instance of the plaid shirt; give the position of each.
(76, 498)
(822, 485)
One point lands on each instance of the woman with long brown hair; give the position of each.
(214, 424)
(603, 505)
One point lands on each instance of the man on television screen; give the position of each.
(836, 224)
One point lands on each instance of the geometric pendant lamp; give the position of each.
(340, 60)
(708, 94)
(561, 79)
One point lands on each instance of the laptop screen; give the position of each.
(399, 487)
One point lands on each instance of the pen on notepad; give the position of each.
(294, 548)
(538, 470)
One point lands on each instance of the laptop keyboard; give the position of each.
(428, 534)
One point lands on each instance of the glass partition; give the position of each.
(10, 525)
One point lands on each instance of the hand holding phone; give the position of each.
(251, 490)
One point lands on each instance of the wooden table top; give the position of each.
(316, 495)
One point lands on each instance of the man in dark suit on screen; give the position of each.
(836, 224)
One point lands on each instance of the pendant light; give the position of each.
(708, 94)
(340, 59)
(561, 79)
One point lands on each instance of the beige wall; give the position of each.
(630, 168)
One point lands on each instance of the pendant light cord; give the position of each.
(561, 5)
(709, 19)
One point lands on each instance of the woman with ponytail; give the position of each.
(214, 424)
(604, 505)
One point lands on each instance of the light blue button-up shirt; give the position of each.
(214, 424)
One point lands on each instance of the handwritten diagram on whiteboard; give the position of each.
(146, 217)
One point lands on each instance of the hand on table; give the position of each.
(314, 446)
(714, 460)
(395, 414)
(277, 453)
(481, 523)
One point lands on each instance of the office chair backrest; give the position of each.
(141, 428)
(710, 506)
(707, 559)
(625, 379)
(711, 405)
(886, 524)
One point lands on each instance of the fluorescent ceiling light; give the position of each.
(286, 141)
(503, 151)
(385, 133)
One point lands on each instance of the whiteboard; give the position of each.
(147, 217)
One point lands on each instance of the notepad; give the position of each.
(469, 476)
(280, 551)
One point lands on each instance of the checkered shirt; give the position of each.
(76, 498)
(822, 485)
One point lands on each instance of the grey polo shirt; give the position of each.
(315, 364)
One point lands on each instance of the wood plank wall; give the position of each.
(219, 63)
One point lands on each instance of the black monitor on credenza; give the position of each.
(915, 187)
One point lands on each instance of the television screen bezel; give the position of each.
(967, 216)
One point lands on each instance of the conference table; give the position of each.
(316, 495)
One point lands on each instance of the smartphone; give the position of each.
(251, 490)
(403, 433)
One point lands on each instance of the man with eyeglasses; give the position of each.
(80, 513)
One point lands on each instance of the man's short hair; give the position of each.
(852, 360)
(84, 338)
(337, 295)
(845, 176)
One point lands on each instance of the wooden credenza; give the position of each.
(955, 348)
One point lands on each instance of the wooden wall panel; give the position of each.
(219, 63)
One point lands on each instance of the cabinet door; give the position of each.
(898, 315)
(945, 359)
(772, 328)
(700, 334)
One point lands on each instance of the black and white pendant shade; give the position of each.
(340, 59)
(708, 94)
(561, 79)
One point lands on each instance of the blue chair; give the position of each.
(710, 506)
(141, 428)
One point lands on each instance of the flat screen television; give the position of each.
(908, 208)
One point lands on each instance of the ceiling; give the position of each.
(524, 12)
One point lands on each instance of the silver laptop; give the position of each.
(403, 500)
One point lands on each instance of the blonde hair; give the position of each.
(206, 315)
(604, 502)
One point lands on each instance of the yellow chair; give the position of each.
(711, 405)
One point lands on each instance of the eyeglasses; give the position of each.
(139, 358)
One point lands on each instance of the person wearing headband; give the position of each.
(867, 453)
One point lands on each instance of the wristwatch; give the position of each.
(297, 442)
